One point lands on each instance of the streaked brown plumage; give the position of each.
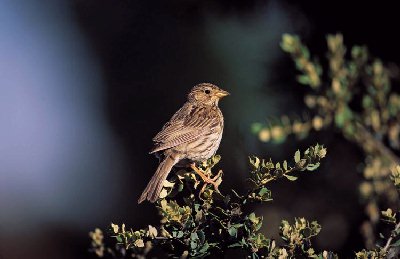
(193, 134)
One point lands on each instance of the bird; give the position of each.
(192, 135)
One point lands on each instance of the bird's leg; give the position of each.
(217, 176)
(202, 190)
(205, 178)
(200, 173)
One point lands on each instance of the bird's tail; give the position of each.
(153, 189)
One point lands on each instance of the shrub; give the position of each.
(355, 97)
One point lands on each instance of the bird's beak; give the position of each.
(221, 93)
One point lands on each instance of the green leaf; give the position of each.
(263, 191)
(232, 231)
(193, 241)
(254, 161)
(238, 225)
(115, 228)
(252, 217)
(342, 116)
(256, 127)
(303, 79)
(193, 245)
(180, 187)
(297, 156)
(139, 243)
(193, 236)
(285, 166)
(290, 177)
(305, 52)
(216, 159)
(367, 102)
(312, 167)
(204, 248)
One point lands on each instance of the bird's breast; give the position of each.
(205, 146)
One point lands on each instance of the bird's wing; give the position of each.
(187, 124)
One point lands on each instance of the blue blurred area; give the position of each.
(62, 169)
(59, 162)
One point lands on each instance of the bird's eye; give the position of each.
(207, 91)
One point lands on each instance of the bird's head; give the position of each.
(207, 94)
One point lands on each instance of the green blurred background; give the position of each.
(85, 85)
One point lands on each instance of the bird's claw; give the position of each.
(207, 179)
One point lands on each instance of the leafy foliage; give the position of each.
(353, 94)
(198, 221)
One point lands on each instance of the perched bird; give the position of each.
(192, 135)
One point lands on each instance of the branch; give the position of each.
(377, 144)
(392, 236)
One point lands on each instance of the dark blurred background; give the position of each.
(85, 85)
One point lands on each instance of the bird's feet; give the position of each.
(206, 178)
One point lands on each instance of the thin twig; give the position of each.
(389, 241)
(380, 147)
